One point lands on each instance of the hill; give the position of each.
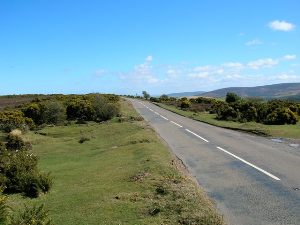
(186, 94)
(284, 90)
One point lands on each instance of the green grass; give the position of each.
(122, 175)
(285, 131)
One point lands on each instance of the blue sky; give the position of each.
(126, 47)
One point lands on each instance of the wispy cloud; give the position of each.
(254, 42)
(261, 63)
(289, 57)
(180, 77)
(281, 25)
(142, 73)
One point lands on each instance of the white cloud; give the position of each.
(261, 63)
(289, 57)
(234, 65)
(285, 76)
(199, 75)
(142, 73)
(149, 58)
(254, 42)
(203, 68)
(281, 25)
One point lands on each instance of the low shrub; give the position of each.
(19, 174)
(185, 104)
(10, 120)
(15, 142)
(282, 116)
(104, 110)
(4, 209)
(45, 182)
(35, 215)
(227, 112)
(83, 139)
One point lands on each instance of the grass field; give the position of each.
(284, 131)
(123, 175)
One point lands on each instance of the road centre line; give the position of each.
(250, 164)
(164, 117)
(176, 124)
(221, 149)
(197, 135)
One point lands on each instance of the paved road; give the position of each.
(252, 179)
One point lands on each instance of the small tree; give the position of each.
(54, 113)
(232, 97)
(146, 95)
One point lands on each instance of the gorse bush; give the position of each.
(34, 112)
(4, 209)
(15, 142)
(19, 173)
(282, 116)
(10, 120)
(185, 104)
(35, 215)
(80, 109)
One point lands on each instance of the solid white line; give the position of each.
(196, 135)
(164, 117)
(250, 164)
(176, 124)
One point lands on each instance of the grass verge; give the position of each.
(284, 131)
(120, 174)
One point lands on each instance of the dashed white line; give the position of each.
(156, 113)
(176, 124)
(164, 117)
(197, 135)
(151, 110)
(250, 164)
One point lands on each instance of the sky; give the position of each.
(125, 47)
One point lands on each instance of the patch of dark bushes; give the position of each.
(56, 109)
(277, 112)
(83, 139)
(18, 169)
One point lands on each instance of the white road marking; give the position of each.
(197, 135)
(164, 117)
(150, 109)
(176, 124)
(250, 164)
(156, 113)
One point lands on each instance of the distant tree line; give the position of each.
(236, 108)
(60, 109)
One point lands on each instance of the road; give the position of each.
(252, 179)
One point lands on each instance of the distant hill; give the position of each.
(285, 90)
(186, 94)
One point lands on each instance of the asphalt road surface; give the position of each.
(252, 179)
